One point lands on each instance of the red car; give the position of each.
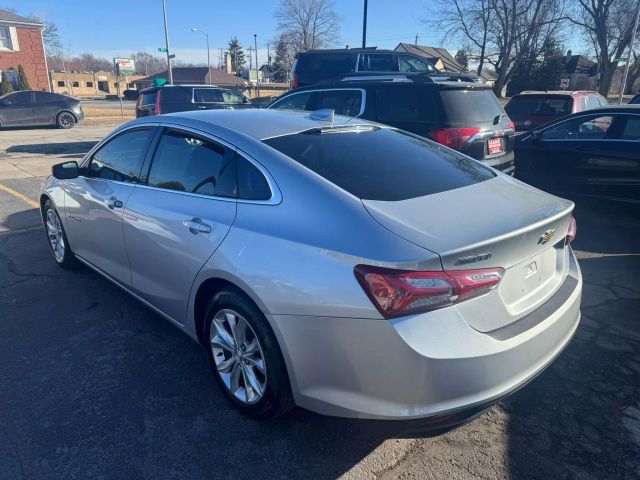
(531, 109)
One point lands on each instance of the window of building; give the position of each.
(60, 83)
(115, 84)
(130, 85)
(90, 84)
(76, 84)
(5, 39)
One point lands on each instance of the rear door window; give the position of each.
(296, 101)
(229, 96)
(343, 102)
(188, 163)
(379, 163)
(378, 62)
(405, 105)
(148, 98)
(252, 184)
(175, 95)
(206, 95)
(409, 63)
(326, 63)
(465, 106)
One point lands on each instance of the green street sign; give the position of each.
(620, 59)
(160, 49)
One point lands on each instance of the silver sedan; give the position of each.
(327, 262)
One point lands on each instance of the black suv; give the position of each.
(181, 98)
(460, 115)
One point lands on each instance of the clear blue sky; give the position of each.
(120, 27)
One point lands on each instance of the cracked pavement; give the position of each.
(94, 385)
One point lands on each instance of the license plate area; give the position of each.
(494, 145)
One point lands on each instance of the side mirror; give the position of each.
(535, 135)
(65, 171)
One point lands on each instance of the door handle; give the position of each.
(113, 202)
(196, 225)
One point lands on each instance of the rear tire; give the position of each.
(245, 357)
(65, 120)
(57, 238)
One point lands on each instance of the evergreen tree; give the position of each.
(548, 74)
(23, 83)
(463, 59)
(282, 61)
(237, 55)
(5, 86)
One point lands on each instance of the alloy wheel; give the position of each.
(66, 120)
(54, 232)
(238, 356)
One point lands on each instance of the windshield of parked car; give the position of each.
(542, 106)
(380, 163)
(470, 105)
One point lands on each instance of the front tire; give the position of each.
(57, 238)
(245, 357)
(65, 120)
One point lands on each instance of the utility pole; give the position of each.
(364, 26)
(626, 67)
(255, 43)
(166, 40)
(416, 39)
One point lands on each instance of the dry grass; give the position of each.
(106, 116)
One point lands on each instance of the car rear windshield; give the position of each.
(379, 163)
(470, 105)
(543, 106)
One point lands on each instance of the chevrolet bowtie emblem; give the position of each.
(546, 236)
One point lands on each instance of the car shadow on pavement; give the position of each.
(53, 148)
(581, 417)
(94, 384)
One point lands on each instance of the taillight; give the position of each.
(158, 102)
(398, 292)
(571, 231)
(511, 125)
(294, 80)
(453, 137)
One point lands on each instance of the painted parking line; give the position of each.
(19, 195)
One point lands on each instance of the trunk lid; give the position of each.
(496, 223)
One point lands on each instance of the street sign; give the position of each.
(173, 55)
(564, 83)
(160, 49)
(124, 66)
(620, 59)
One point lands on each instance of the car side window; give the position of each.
(206, 95)
(187, 163)
(296, 101)
(343, 102)
(409, 63)
(44, 97)
(252, 184)
(19, 98)
(121, 158)
(229, 96)
(379, 62)
(590, 128)
(624, 127)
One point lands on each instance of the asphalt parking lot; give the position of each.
(94, 385)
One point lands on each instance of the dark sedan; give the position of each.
(29, 108)
(594, 153)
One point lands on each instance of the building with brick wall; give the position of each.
(21, 44)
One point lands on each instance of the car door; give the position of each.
(95, 201)
(175, 222)
(16, 109)
(45, 108)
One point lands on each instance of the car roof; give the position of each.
(257, 123)
(392, 79)
(180, 85)
(565, 93)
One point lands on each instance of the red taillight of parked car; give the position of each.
(138, 105)
(398, 292)
(453, 137)
(571, 231)
(157, 109)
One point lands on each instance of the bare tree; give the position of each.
(503, 32)
(148, 64)
(308, 24)
(608, 24)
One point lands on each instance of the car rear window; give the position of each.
(405, 105)
(470, 105)
(542, 106)
(328, 63)
(148, 98)
(379, 163)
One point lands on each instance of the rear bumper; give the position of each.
(426, 366)
(504, 163)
